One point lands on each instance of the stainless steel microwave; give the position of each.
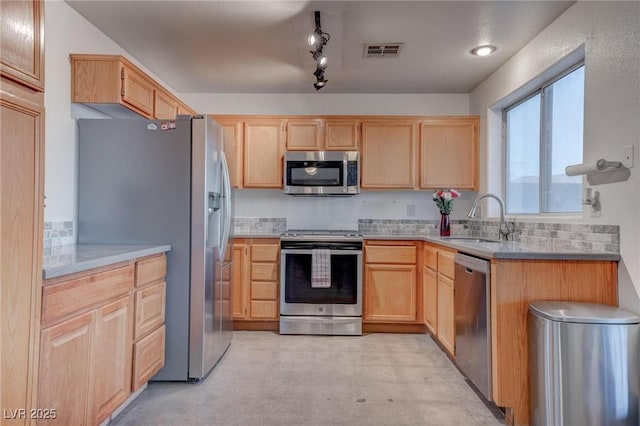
(321, 172)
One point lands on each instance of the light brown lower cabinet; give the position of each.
(112, 356)
(148, 357)
(446, 322)
(66, 371)
(390, 282)
(149, 330)
(89, 362)
(430, 298)
(255, 282)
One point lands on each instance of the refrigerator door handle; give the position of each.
(227, 206)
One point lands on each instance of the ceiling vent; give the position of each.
(382, 50)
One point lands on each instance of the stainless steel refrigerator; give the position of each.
(166, 182)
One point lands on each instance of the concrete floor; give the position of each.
(267, 379)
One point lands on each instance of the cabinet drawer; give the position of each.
(431, 257)
(264, 290)
(264, 309)
(264, 252)
(390, 254)
(63, 299)
(446, 263)
(150, 270)
(150, 309)
(264, 271)
(148, 357)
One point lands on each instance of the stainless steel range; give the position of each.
(321, 282)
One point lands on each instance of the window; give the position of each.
(543, 135)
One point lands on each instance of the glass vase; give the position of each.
(445, 229)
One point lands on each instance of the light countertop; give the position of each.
(490, 250)
(63, 260)
(506, 249)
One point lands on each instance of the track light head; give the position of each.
(320, 84)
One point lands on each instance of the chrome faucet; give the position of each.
(504, 227)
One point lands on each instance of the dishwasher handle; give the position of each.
(471, 263)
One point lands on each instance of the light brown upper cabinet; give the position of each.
(341, 134)
(449, 153)
(164, 106)
(263, 150)
(233, 145)
(388, 154)
(22, 52)
(112, 79)
(304, 134)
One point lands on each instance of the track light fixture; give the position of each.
(317, 40)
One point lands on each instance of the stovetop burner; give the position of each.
(321, 234)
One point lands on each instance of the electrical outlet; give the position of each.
(627, 158)
(411, 210)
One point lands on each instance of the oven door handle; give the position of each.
(309, 251)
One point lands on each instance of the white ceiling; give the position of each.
(260, 46)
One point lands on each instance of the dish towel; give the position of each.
(320, 268)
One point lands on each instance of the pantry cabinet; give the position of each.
(263, 152)
(256, 278)
(449, 152)
(22, 189)
(389, 154)
(22, 57)
(390, 282)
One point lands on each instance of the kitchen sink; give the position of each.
(472, 240)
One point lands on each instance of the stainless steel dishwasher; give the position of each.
(472, 321)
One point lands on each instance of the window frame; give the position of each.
(544, 137)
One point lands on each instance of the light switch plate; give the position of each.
(627, 158)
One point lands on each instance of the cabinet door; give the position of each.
(430, 299)
(232, 137)
(446, 324)
(388, 155)
(66, 382)
(112, 356)
(21, 172)
(304, 135)
(137, 91)
(341, 135)
(22, 42)
(449, 153)
(390, 293)
(263, 147)
(164, 106)
(148, 357)
(239, 293)
(149, 309)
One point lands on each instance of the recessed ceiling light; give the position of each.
(485, 50)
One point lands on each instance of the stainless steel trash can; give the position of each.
(583, 364)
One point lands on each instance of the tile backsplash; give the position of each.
(406, 227)
(599, 238)
(58, 233)
(259, 225)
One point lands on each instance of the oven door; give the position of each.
(342, 298)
